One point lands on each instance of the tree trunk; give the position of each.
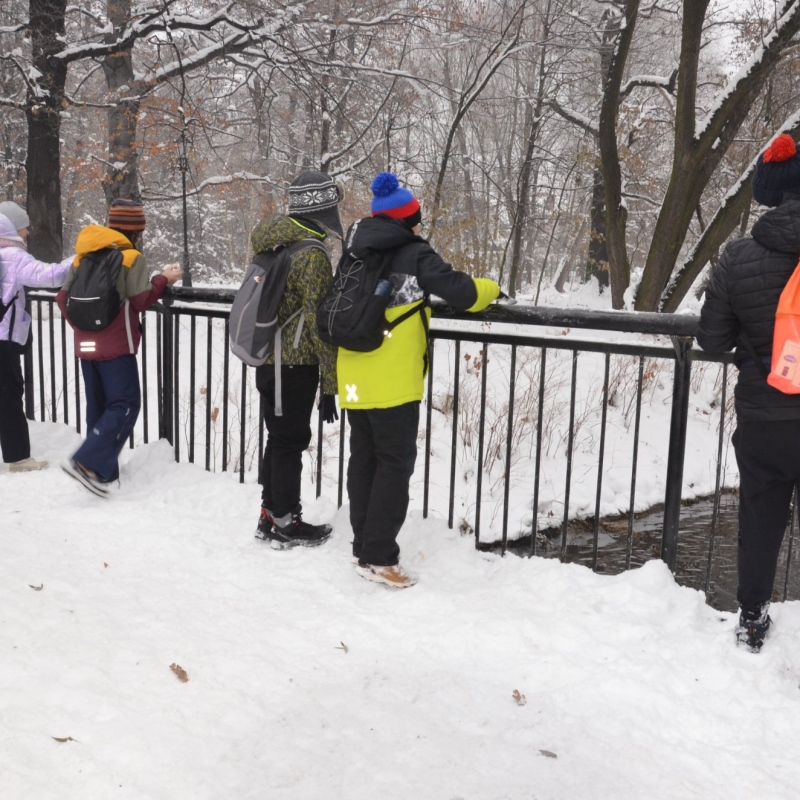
(597, 251)
(122, 173)
(616, 212)
(699, 152)
(524, 191)
(43, 112)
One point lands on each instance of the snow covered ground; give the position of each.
(494, 678)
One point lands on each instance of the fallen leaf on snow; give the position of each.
(519, 697)
(180, 672)
(36, 588)
(65, 739)
(548, 754)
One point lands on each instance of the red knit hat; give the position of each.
(126, 215)
(777, 172)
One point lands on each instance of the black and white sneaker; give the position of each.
(754, 624)
(86, 477)
(290, 531)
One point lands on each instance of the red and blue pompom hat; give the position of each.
(390, 198)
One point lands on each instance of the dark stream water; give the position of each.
(694, 545)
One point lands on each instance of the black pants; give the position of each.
(288, 436)
(768, 454)
(383, 449)
(14, 438)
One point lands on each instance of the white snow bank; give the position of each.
(306, 681)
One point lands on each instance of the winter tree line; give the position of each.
(549, 141)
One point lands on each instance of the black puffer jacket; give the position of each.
(743, 295)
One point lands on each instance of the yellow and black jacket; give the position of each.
(137, 291)
(394, 373)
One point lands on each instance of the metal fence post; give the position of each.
(677, 449)
(167, 399)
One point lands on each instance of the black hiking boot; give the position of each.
(265, 523)
(290, 531)
(753, 627)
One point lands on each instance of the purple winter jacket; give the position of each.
(18, 268)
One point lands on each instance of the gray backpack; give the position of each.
(254, 329)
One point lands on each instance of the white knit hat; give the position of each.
(18, 216)
(7, 230)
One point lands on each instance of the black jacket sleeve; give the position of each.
(719, 327)
(437, 277)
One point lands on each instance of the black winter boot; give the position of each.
(265, 523)
(290, 531)
(753, 627)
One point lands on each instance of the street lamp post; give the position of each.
(183, 165)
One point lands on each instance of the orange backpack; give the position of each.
(785, 373)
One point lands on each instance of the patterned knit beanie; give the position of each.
(126, 215)
(393, 200)
(777, 172)
(315, 195)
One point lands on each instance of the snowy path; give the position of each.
(305, 681)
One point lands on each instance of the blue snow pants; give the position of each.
(113, 400)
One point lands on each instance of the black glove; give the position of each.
(328, 406)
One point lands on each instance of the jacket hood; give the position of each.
(378, 233)
(779, 229)
(276, 230)
(96, 237)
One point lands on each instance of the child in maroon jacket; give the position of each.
(108, 357)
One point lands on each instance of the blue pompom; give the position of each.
(385, 184)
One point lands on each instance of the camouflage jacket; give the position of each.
(310, 277)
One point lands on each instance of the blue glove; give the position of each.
(328, 406)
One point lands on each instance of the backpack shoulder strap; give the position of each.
(306, 244)
(263, 258)
(291, 250)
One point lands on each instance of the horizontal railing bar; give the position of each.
(211, 313)
(624, 321)
(574, 345)
(587, 346)
(618, 321)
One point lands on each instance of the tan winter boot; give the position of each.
(27, 465)
(395, 576)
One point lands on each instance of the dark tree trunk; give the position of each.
(122, 174)
(597, 255)
(43, 112)
(616, 212)
(699, 152)
(533, 119)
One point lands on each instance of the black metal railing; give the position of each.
(527, 395)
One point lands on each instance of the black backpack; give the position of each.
(353, 313)
(92, 298)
